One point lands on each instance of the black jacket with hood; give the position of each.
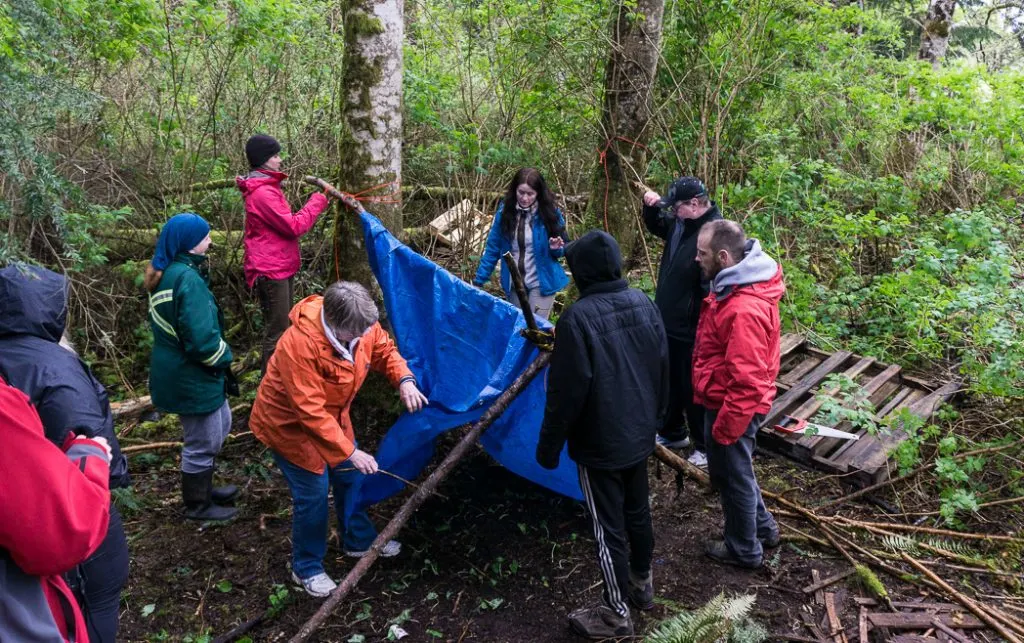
(680, 289)
(608, 379)
(33, 312)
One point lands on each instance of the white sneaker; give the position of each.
(673, 444)
(390, 548)
(319, 586)
(698, 459)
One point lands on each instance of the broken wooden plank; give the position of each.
(835, 626)
(812, 627)
(462, 225)
(793, 395)
(818, 585)
(862, 625)
(950, 632)
(819, 596)
(923, 620)
(912, 638)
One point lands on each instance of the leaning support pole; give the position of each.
(520, 287)
(421, 494)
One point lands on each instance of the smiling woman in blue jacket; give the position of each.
(528, 225)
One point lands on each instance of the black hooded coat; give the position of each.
(33, 312)
(607, 386)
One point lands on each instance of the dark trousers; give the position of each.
(731, 469)
(99, 580)
(619, 506)
(276, 297)
(682, 413)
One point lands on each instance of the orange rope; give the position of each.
(393, 197)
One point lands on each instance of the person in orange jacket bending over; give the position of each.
(302, 414)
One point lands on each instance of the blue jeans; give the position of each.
(310, 514)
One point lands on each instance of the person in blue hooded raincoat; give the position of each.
(68, 398)
(528, 225)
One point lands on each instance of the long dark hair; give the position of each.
(545, 203)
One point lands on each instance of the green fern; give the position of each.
(901, 544)
(912, 545)
(721, 619)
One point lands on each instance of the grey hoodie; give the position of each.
(755, 267)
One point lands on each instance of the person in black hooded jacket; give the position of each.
(608, 388)
(33, 313)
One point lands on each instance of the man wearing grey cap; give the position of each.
(678, 218)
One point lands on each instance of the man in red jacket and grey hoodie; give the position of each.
(54, 509)
(272, 235)
(735, 362)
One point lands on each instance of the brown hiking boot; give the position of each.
(600, 622)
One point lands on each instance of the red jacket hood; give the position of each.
(248, 183)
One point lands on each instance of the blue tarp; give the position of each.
(464, 347)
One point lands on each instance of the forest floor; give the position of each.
(497, 559)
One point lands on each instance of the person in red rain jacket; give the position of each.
(54, 509)
(272, 235)
(736, 360)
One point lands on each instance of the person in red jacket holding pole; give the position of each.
(736, 360)
(272, 235)
(54, 509)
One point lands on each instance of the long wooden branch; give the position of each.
(980, 612)
(520, 287)
(421, 494)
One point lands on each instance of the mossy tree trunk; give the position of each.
(626, 118)
(935, 30)
(370, 143)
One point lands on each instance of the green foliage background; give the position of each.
(891, 191)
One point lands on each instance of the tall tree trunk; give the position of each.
(938, 23)
(370, 142)
(625, 119)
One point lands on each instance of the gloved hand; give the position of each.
(231, 383)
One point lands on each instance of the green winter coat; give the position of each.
(190, 357)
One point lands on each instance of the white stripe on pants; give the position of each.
(604, 555)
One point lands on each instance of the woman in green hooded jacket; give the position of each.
(190, 368)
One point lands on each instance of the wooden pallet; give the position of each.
(864, 461)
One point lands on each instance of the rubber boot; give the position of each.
(196, 490)
(225, 494)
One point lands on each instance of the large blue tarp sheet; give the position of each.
(464, 347)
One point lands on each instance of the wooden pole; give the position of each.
(963, 600)
(520, 288)
(421, 494)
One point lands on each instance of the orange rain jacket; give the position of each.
(302, 406)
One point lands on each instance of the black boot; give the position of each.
(225, 494)
(196, 489)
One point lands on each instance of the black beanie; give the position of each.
(259, 148)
